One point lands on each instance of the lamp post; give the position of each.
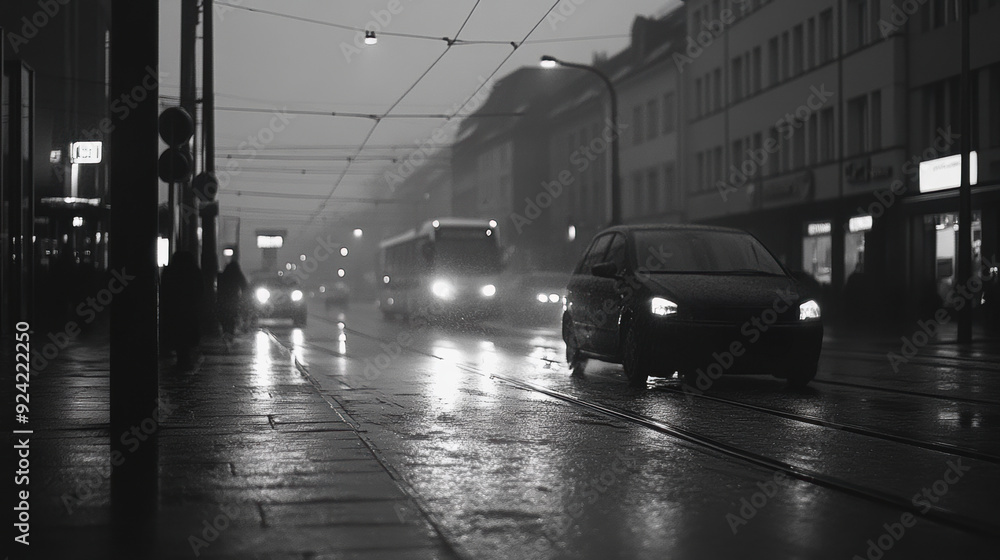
(616, 195)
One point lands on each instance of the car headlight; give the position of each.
(296, 295)
(489, 290)
(542, 298)
(263, 294)
(662, 307)
(442, 289)
(554, 298)
(808, 310)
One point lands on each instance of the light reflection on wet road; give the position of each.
(515, 473)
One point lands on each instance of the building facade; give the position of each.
(807, 125)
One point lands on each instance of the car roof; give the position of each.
(670, 227)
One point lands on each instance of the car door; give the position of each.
(580, 296)
(609, 295)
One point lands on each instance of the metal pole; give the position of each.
(964, 192)
(209, 245)
(133, 154)
(188, 234)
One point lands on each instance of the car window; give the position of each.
(594, 255)
(616, 252)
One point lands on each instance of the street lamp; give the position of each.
(616, 196)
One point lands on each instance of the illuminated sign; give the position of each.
(819, 228)
(85, 152)
(946, 173)
(269, 241)
(859, 223)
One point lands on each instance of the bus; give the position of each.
(447, 266)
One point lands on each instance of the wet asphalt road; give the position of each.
(509, 472)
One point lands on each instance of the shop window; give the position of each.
(946, 251)
(817, 250)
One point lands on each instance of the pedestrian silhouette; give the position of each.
(232, 290)
(180, 302)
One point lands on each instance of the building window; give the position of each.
(755, 74)
(993, 111)
(652, 119)
(826, 36)
(717, 163)
(859, 24)
(798, 50)
(670, 187)
(772, 61)
(669, 113)
(828, 136)
(637, 124)
(637, 203)
(786, 58)
(774, 163)
(876, 120)
(812, 139)
(811, 43)
(699, 171)
(717, 88)
(737, 77)
(699, 98)
(858, 138)
(652, 191)
(940, 13)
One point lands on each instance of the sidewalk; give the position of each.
(254, 463)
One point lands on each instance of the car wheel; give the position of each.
(635, 359)
(802, 376)
(577, 363)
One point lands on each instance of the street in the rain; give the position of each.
(484, 279)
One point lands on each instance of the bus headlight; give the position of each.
(263, 295)
(442, 289)
(662, 307)
(489, 290)
(809, 310)
(296, 295)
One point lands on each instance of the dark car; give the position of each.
(535, 298)
(277, 297)
(696, 300)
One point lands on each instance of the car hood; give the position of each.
(714, 291)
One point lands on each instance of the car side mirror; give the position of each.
(604, 270)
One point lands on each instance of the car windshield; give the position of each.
(702, 252)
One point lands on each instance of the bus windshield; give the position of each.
(466, 251)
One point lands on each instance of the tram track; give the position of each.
(934, 512)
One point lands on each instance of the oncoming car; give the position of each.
(277, 297)
(697, 300)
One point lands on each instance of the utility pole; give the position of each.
(188, 234)
(965, 189)
(133, 154)
(210, 207)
